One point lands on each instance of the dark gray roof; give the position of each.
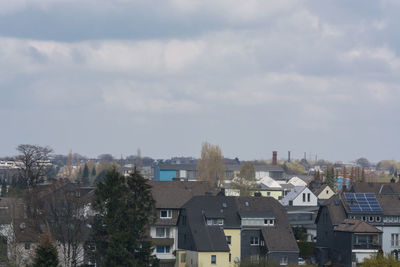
(377, 188)
(337, 212)
(212, 238)
(279, 239)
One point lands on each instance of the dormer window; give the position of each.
(166, 214)
(269, 222)
(215, 221)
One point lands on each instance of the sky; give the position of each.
(252, 76)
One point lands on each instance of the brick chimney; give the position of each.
(274, 158)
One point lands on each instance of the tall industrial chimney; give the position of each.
(274, 158)
(288, 156)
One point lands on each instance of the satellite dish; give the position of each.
(236, 259)
(22, 226)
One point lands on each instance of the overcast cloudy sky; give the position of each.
(251, 76)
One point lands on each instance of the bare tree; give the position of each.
(33, 158)
(210, 166)
(64, 210)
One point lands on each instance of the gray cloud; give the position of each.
(167, 75)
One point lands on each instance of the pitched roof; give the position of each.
(335, 208)
(318, 190)
(212, 238)
(173, 194)
(279, 239)
(356, 226)
(268, 183)
(390, 204)
(292, 194)
(296, 181)
(377, 188)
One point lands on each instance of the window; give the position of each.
(165, 214)
(308, 197)
(268, 193)
(162, 249)
(371, 218)
(213, 259)
(327, 191)
(290, 202)
(269, 222)
(215, 221)
(284, 260)
(162, 232)
(304, 197)
(254, 240)
(378, 218)
(183, 257)
(27, 246)
(230, 257)
(364, 218)
(229, 239)
(395, 240)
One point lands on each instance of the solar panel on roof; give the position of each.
(362, 202)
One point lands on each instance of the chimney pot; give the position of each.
(274, 158)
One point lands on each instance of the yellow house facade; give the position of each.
(269, 193)
(325, 193)
(233, 239)
(187, 258)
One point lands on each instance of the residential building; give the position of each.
(323, 192)
(224, 230)
(268, 187)
(170, 196)
(300, 196)
(349, 229)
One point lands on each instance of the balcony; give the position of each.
(366, 246)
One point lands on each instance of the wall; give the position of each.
(387, 237)
(246, 249)
(179, 262)
(173, 233)
(275, 194)
(325, 195)
(275, 257)
(204, 259)
(298, 201)
(235, 244)
(167, 175)
(192, 258)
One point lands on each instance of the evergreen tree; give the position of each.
(125, 208)
(331, 178)
(94, 171)
(3, 188)
(85, 175)
(46, 254)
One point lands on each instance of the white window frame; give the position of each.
(166, 232)
(169, 214)
(254, 241)
(284, 260)
(394, 240)
(213, 259)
